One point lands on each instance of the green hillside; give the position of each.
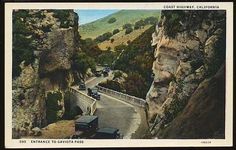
(98, 27)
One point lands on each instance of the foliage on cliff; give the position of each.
(22, 42)
(137, 62)
(138, 56)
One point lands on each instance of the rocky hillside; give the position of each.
(186, 99)
(43, 44)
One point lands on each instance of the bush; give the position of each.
(120, 47)
(103, 37)
(128, 42)
(62, 15)
(139, 24)
(112, 40)
(128, 30)
(22, 45)
(90, 47)
(175, 107)
(117, 74)
(115, 31)
(107, 57)
(138, 57)
(128, 25)
(39, 15)
(112, 20)
(135, 85)
(151, 20)
(112, 85)
(52, 106)
(82, 62)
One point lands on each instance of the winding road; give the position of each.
(115, 113)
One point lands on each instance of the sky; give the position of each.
(90, 15)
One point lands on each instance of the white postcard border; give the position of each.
(16, 143)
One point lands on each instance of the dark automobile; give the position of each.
(107, 69)
(82, 86)
(85, 126)
(98, 73)
(107, 133)
(93, 92)
(105, 73)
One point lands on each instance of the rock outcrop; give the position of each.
(41, 85)
(189, 49)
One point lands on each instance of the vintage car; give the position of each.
(85, 126)
(82, 86)
(93, 92)
(107, 133)
(98, 73)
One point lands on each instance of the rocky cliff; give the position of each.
(189, 50)
(43, 44)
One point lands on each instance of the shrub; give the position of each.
(90, 47)
(82, 62)
(112, 40)
(112, 85)
(139, 24)
(22, 45)
(52, 106)
(103, 37)
(62, 15)
(138, 57)
(39, 15)
(107, 57)
(128, 25)
(175, 107)
(115, 31)
(120, 47)
(135, 85)
(112, 20)
(151, 20)
(128, 30)
(117, 74)
(128, 42)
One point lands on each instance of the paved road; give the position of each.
(115, 113)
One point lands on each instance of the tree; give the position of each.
(112, 20)
(128, 30)
(62, 15)
(90, 47)
(128, 25)
(82, 62)
(114, 85)
(135, 85)
(103, 37)
(112, 40)
(139, 24)
(120, 47)
(22, 45)
(151, 20)
(115, 31)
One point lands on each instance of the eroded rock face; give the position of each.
(183, 61)
(55, 36)
(205, 109)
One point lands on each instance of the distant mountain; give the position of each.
(100, 26)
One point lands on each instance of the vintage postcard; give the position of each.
(118, 75)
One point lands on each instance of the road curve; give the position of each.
(115, 113)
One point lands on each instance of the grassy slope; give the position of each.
(122, 38)
(98, 27)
